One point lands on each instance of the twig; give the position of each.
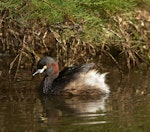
(12, 63)
(117, 64)
(19, 60)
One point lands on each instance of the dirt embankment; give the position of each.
(126, 41)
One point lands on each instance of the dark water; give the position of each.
(125, 109)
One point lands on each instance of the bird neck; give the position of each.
(55, 68)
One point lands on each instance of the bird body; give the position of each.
(76, 80)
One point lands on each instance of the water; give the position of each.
(126, 108)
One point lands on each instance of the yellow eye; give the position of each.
(44, 67)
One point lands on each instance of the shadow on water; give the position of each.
(127, 108)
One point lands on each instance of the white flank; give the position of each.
(95, 79)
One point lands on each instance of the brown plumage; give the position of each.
(76, 80)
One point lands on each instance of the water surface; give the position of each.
(126, 108)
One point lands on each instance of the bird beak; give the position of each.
(40, 70)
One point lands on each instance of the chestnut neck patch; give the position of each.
(55, 67)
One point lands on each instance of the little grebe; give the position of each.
(76, 80)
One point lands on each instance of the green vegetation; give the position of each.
(55, 11)
(97, 29)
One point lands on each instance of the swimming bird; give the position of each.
(82, 79)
